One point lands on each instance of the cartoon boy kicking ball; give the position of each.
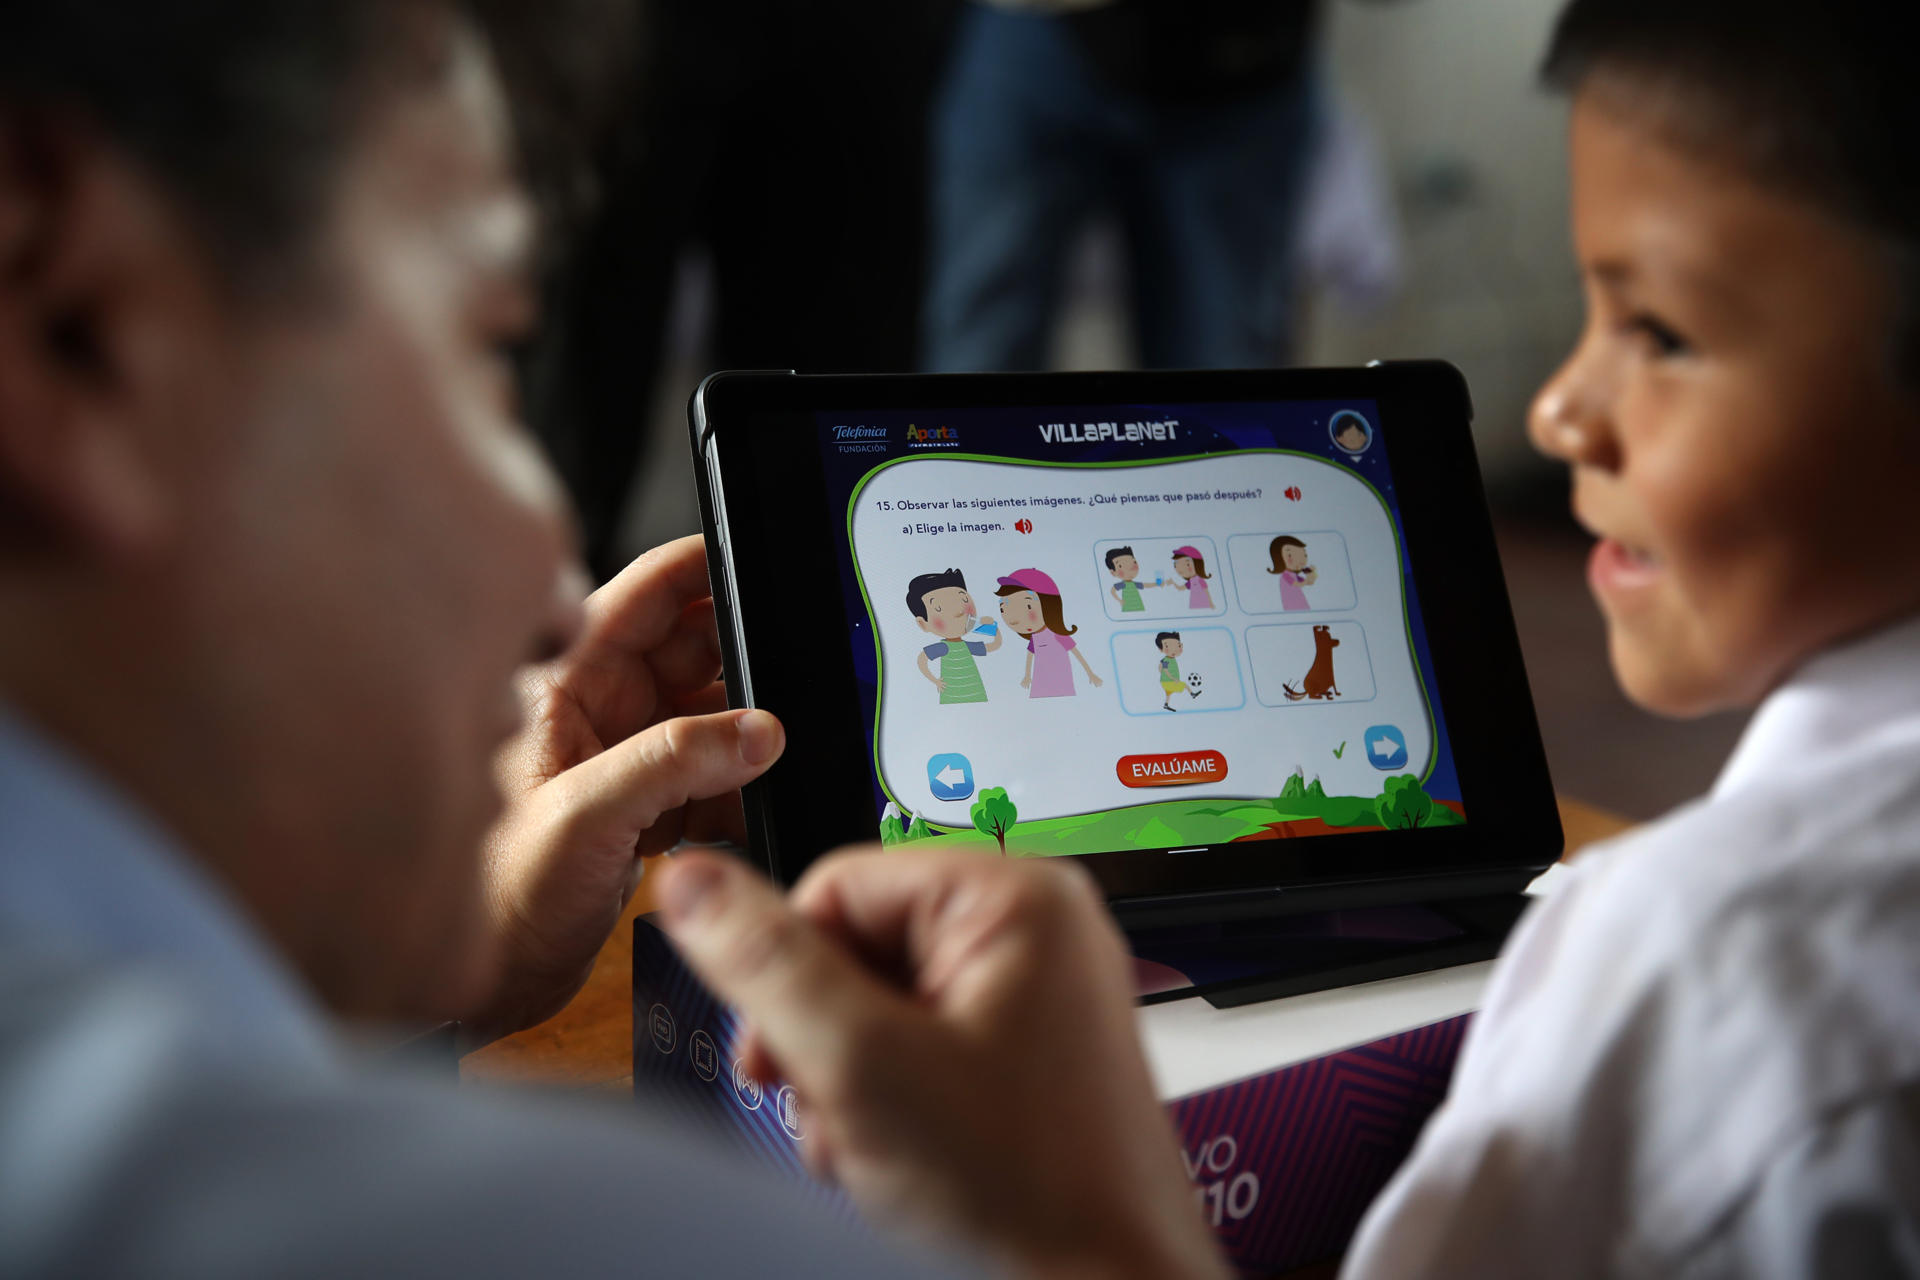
(1171, 647)
(939, 601)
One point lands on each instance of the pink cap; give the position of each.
(1031, 580)
(1192, 552)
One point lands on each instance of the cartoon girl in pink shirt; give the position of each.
(1290, 562)
(1192, 568)
(1030, 604)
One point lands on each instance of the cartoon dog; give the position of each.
(1318, 682)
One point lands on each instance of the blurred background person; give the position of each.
(774, 155)
(1188, 123)
(1428, 218)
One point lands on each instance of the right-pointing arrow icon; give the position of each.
(1386, 746)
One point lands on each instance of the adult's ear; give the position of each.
(101, 289)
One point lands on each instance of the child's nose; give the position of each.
(1569, 419)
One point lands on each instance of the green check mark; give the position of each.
(1338, 750)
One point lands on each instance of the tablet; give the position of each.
(1234, 641)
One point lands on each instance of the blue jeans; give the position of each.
(1029, 145)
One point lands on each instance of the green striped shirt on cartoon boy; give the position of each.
(944, 609)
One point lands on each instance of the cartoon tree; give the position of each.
(1296, 787)
(1403, 805)
(994, 814)
(919, 830)
(1314, 790)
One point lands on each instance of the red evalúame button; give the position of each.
(1176, 769)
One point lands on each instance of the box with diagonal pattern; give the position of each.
(1292, 1114)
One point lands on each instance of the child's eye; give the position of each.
(1660, 338)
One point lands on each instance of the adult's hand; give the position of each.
(959, 1031)
(626, 750)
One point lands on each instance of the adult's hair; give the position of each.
(1052, 612)
(1163, 637)
(1115, 553)
(917, 589)
(1279, 545)
(1815, 101)
(242, 110)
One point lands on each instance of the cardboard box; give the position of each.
(1292, 1114)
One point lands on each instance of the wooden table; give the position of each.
(589, 1044)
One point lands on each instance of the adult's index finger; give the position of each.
(640, 607)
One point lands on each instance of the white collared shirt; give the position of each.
(1700, 1056)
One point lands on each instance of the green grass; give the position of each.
(1169, 824)
(1146, 826)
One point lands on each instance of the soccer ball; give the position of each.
(1193, 681)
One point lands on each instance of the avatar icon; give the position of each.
(944, 608)
(1318, 683)
(1351, 432)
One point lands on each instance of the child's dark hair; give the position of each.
(1163, 637)
(1817, 101)
(918, 588)
(1115, 554)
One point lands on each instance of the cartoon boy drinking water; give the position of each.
(944, 609)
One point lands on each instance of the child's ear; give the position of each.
(925, 624)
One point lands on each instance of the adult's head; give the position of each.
(272, 541)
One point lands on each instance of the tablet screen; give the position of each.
(1133, 627)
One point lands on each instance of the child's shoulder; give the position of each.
(1712, 987)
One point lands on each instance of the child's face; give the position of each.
(950, 613)
(1022, 612)
(1126, 568)
(1172, 648)
(1738, 442)
(1294, 558)
(1183, 566)
(1351, 438)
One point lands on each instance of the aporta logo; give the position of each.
(932, 436)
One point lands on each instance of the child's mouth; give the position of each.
(1615, 568)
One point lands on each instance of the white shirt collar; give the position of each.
(1843, 698)
(84, 873)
